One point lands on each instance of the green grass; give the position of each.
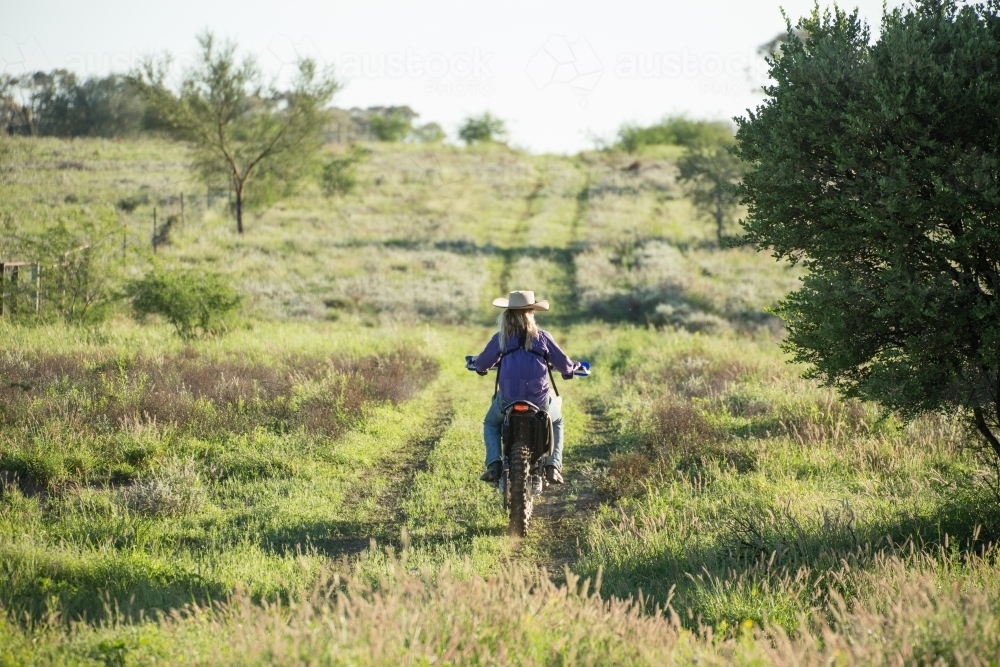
(214, 502)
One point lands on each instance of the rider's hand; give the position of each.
(571, 374)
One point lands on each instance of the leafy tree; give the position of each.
(58, 104)
(675, 131)
(194, 302)
(239, 129)
(710, 176)
(477, 129)
(390, 127)
(19, 97)
(876, 165)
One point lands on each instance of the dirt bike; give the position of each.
(527, 441)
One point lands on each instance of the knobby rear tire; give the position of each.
(520, 492)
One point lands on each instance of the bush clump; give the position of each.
(481, 129)
(676, 427)
(338, 176)
(675, 131)
(392, 126)
(194, 302)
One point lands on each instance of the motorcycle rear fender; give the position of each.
(534, 428)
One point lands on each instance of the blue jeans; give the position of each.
(493, 427)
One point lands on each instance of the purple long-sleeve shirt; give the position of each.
(523, 375)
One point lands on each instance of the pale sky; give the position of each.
(559, 73)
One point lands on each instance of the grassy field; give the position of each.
(303, 489)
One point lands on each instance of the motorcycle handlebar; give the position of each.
(582, 368)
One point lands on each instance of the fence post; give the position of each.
(36, 280)
(15, 287)
(153, 239)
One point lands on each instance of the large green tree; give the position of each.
(261, 139)
(877, 165)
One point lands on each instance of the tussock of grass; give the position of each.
(174, 490)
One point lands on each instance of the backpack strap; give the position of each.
(496, 385)
(548, 366)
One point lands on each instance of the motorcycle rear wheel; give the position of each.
(519, 487)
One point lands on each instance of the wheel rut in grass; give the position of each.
(564, 511)
(384, 517)
(510, 255)
(401, 475)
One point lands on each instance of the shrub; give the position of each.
(476, 129)
(196, 303)
(675, 131)
(628, 475)
(338, 176)
(132, 202)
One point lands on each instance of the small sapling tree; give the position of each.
(262, 140)
(710, 176)
(876, 165)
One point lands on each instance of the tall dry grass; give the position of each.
(919, 609)
(108, 415)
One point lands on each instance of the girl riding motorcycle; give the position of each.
(524, 352)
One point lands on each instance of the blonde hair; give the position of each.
(512, 323)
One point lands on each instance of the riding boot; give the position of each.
(492, 473)
(553, 475)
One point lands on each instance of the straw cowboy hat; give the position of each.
(521, 300)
